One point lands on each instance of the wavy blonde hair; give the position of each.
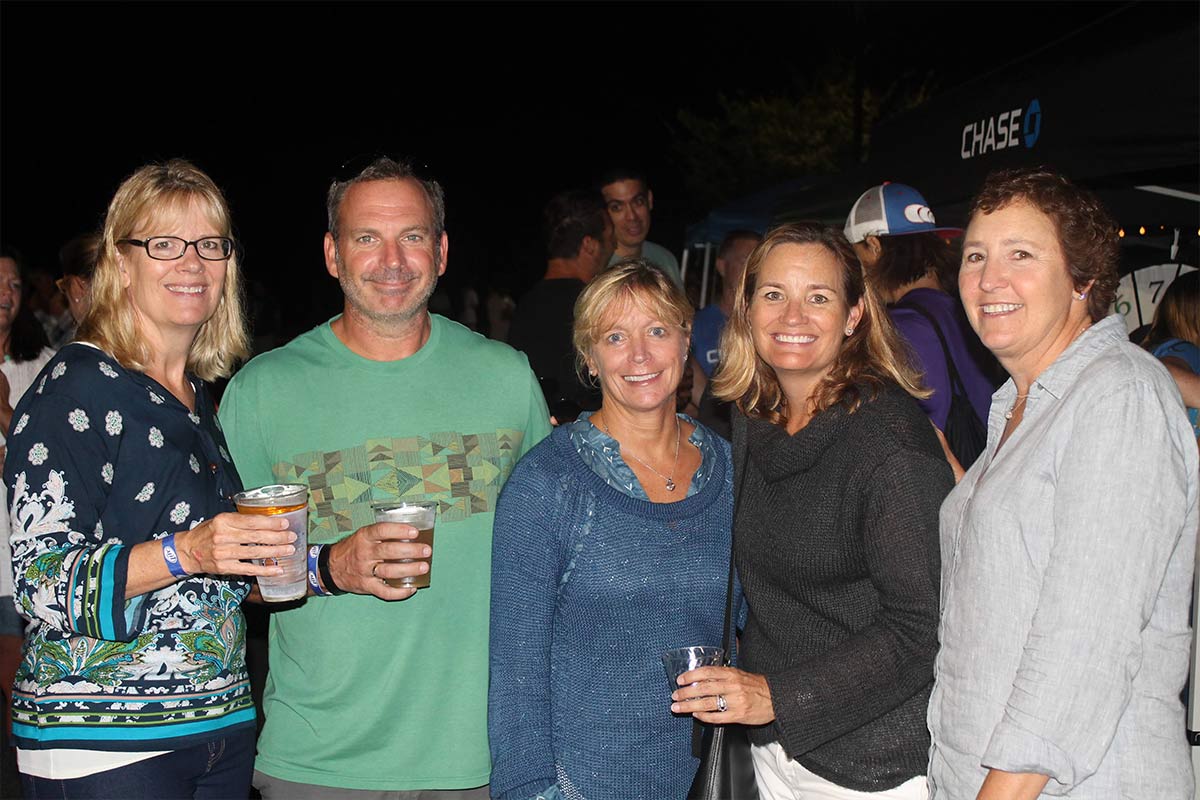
(872, 355)
(151, 195)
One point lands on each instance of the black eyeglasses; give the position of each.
(171, 248)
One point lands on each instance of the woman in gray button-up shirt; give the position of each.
(1068, 548)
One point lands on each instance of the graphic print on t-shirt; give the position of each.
(463, 472)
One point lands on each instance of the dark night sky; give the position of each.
(506, 103)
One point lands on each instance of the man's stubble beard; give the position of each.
(384, 322)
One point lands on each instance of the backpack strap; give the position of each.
(956, 384)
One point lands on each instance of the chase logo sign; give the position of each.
(1007, 129)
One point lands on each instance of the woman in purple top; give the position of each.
(915, 270)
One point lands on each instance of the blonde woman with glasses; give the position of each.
(130, 570)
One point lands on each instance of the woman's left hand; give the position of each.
(745, 695)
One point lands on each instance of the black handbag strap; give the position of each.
(725, 643)
(697, 727)
(956, 385)
(737, 503)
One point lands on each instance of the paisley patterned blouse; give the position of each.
(101, 458)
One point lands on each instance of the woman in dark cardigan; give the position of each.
(836, 540)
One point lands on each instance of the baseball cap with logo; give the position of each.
(892, 209)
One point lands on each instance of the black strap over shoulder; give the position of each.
(966, 433)
(726, 640)
(956, 384)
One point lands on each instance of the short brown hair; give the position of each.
(907, 258)
(1087, 235)
(735, 236)
(383, 168)
(634, 281)
(871, 356)
(150, 194)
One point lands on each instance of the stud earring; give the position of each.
(849, 330)
(1081, 295)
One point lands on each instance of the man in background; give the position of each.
(579, 240)
(735, 249)
(630, 201)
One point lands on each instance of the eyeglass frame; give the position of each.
(145, 244)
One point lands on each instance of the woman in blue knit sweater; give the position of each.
(611, 546)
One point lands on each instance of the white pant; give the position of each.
(781, 778)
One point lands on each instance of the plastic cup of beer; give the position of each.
(420, 514)
(289, 500)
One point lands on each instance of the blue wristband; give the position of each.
(314, 581)
(171, 556)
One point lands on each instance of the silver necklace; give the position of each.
(668, 478)
(1020, 399)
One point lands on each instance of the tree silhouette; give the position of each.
(822, 124)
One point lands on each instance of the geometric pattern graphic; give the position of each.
(462, 472)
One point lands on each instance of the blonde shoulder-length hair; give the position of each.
(871, 356)
(636, 281)
(151, 195)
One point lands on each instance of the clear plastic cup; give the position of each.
(421, 515)
(289, 500)
(679, 660)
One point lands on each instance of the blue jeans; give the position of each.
(216, 770)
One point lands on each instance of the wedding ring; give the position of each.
(721, 704)
(373, 566)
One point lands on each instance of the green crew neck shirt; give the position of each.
(364, 693)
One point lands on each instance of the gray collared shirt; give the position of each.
(1067, 562)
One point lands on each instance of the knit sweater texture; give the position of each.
(836, 545)
(589, 587)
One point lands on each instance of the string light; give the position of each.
(1121, 233)
(1142, 230)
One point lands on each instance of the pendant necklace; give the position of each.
(1020, 399)
(668, 478)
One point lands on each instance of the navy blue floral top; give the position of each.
(101, 458)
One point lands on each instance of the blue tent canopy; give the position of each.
(753, 212)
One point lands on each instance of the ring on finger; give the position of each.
(373, 567)
(721, 704)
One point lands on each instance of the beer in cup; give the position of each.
(289, 500)
(420, 514)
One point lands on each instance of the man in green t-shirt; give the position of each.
(367, 694)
